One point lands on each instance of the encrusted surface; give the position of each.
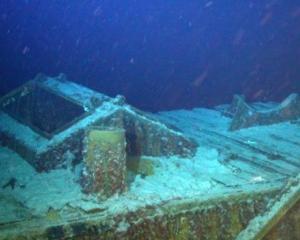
(244, 115)
(146, 136)
(212, 193)
(48, 152)
(288, 227)
(104, 162)
(179, 219)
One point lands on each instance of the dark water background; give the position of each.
(160, 54)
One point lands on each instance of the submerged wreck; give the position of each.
(77, 164)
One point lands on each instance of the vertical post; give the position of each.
(104, 161)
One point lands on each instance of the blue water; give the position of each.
(159, 54)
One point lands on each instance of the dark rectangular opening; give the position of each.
(41, 110)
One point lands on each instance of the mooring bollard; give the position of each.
(104, 160)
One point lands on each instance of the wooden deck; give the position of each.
(272, 152)
(261, 159)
